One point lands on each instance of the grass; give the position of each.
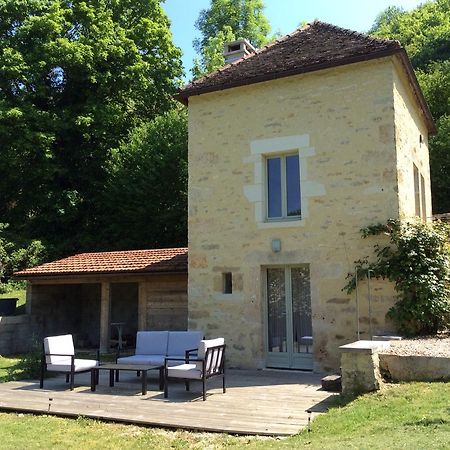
(21, 294)
(6, 365)
(401, 416)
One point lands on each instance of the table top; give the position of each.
(113, 366)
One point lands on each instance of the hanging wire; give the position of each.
(369, 271)
(358, 332)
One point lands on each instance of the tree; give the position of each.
(75, 78)
(425, 33)
(146, 196)
(225, 21)
(387, 18)
(14, 257)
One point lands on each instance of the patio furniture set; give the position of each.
(175, 354)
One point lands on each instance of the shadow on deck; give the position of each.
(256, 402)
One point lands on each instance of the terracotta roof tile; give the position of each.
(132, 261)
(306, 49)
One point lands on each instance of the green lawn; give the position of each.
(21, 294)
(5, 364)
(403, 416)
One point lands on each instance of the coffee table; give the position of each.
(115, 368)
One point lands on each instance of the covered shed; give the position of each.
(93, 295)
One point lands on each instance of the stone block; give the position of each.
(360, 366)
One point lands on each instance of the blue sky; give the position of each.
(284, 16)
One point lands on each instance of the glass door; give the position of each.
(289, 324)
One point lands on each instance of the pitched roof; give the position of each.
(132, 261)
(314, 47)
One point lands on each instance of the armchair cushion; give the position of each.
(205, 344)
(79, 364)
(180, 341)
(151, 342)
(57, 346)
(190, 371)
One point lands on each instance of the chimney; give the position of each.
(235, 50)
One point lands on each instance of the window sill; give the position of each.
(229, 297)
(288, 223)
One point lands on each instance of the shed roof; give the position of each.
(313, 47)
(132, 261)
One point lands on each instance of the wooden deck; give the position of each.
(257, 402)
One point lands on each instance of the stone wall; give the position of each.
(364, 366)
(341, 121)
(411, 137)
(415, 368)
(17, 334)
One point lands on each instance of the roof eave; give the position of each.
(29, 276)
(431, 126)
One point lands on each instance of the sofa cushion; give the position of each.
(180, 341)
(60, 345)
(152, 360)
(151, 342)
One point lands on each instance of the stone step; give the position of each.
(332, 383)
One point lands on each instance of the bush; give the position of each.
(417, 261)
(29, 366)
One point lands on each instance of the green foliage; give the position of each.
(435, 83)
(417, 260)
(14, 258)
(425, 33)
(75, 78)
(225, 21)
(29, 365)
(387, 18)
(146, 195)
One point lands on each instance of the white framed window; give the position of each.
(417, 202)
(283, 196)
(419, 194)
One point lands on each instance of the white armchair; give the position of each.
(59, 356)
(209, 362)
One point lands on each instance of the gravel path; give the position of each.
(424, 346)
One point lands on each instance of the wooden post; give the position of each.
(29, 296)
(105, 306)
(142, 306)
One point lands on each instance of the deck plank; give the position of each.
(256, 402)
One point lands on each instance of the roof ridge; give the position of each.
(350, 32)
(129, 251)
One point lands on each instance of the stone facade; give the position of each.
(356, 129)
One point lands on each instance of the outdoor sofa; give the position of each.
(153, 347)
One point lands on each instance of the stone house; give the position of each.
(293, 149)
